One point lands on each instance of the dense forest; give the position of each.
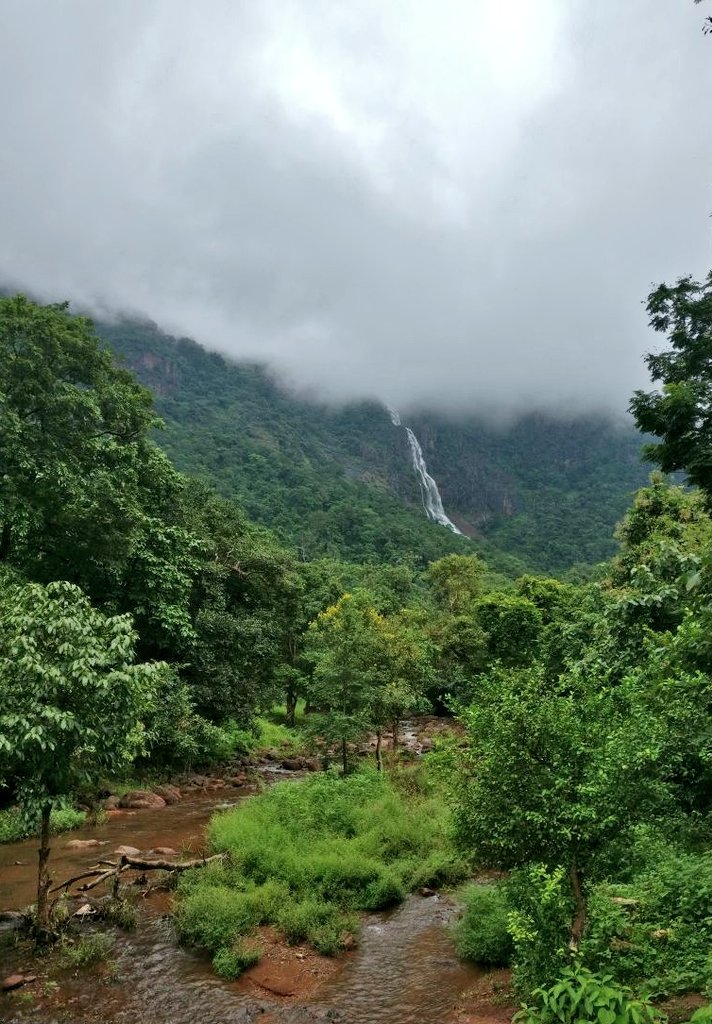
(544, 492)
(147, 621)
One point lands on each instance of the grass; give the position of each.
(13, 826)
(84, 952)
(305, 858)
(481, 934)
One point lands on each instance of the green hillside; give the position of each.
(544, 493)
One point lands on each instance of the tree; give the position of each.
(74, 447)
(513, 626)
(456, 581)
(71, 701)
(369, 670)
(555, 775)
(681, 413)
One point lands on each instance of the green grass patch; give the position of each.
(84, 952)
(306, 857)
(481, 934)
(14, 826)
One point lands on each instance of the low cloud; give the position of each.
(459, 204)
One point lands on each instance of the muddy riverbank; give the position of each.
(403, 969)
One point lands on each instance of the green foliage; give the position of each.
(229, 963)
(513, 626)
(304, 858)
(681, 413)
(580, 996)
(15, 825)
(369, 670)
(657, 928)
(71, 701)
(86, 951)
(482, 933)
(539, 922)
(339, 482)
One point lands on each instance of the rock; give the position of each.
(14, 981)
(427, 891)
(164, 851)
(112, 803)
(237, 781)
(84, 911)
(171, 794)
(293, 764)
(11, 920)
(348, 941)
(199, 781)
(216, 784)
(142, 799)
(127, 851)
(84, 844)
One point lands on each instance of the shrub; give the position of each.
(482, 933)
(539, 920)
(14, 826)
(230, 962)
(579, 996)
(302, 857)
(656, 928)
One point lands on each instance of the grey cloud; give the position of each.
(428, 202)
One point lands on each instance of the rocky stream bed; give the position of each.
(403, 970)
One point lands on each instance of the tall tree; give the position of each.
(680, 414)
(71, 701)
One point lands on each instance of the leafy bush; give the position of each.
(14, 826)
(482, 933)
(656, 928)
(229, 963)
(539, 924)
(580, 996)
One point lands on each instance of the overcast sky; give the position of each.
(453, 202)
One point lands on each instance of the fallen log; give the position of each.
(107, 869)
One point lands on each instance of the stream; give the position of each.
(403, 971)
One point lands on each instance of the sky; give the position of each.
(458, 204)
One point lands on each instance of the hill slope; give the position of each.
(340, 481)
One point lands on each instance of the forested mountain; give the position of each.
(543, 491)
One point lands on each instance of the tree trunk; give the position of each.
(291, 707)
(579, 920)
(379, 755)
(395, 735)
(43, 879)
(344, 757)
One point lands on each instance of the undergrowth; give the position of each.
(14, 826)
(305, 858)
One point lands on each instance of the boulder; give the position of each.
(14, 981)
(84, 844)
(163, 851)
(293, 764)
(142, 799)
(237, 781)
(171, 794)
(127, 851)
(112, 803)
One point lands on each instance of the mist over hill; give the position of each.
(542, 491)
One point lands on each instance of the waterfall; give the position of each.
(432, 502)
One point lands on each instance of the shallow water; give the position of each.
(404, 970)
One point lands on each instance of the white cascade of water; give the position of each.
(432, 502)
